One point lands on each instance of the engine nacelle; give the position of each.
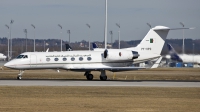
(120, 54)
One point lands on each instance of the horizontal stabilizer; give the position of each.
(161, 28)
(181, 28)
(167, 28)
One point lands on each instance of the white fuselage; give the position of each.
(110, 59)
(64, 60)
(70, 60)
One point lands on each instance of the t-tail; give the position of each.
(154, 40)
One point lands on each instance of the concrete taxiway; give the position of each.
(98, 83)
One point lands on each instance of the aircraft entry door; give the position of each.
(33, 61)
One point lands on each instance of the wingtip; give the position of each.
(192, 28)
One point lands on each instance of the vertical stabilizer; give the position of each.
(154, 41)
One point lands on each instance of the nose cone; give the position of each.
(9, 65)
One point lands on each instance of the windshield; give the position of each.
(22, 56)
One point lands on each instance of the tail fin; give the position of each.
(68, 47)
(173, 55)
(154, 41)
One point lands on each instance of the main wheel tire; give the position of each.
(103, 78)
(19, 77)
(89, 77)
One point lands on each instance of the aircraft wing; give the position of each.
(113, 69)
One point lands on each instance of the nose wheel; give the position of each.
(19, 77)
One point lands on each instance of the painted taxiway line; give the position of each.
(98, 83)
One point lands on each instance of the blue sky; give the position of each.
(75, 14)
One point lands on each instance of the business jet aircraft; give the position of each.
(2, 56)
(114, 60)
(185, 58)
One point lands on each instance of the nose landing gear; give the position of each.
(19, 77)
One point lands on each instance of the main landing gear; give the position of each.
(88, 75)
(19, 77)
(102, 77)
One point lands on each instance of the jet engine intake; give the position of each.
(135, 55)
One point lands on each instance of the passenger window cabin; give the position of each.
(47, 59)
(64, 59)
(89, 58)
(81, 59)
(56, 59)
(72, 59)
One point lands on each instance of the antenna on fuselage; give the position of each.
(47, 50)
(105, 32)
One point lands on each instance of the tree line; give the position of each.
(19, 45)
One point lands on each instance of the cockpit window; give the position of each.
(25, 56)
(22, 56)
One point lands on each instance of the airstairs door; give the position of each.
(33, 61)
